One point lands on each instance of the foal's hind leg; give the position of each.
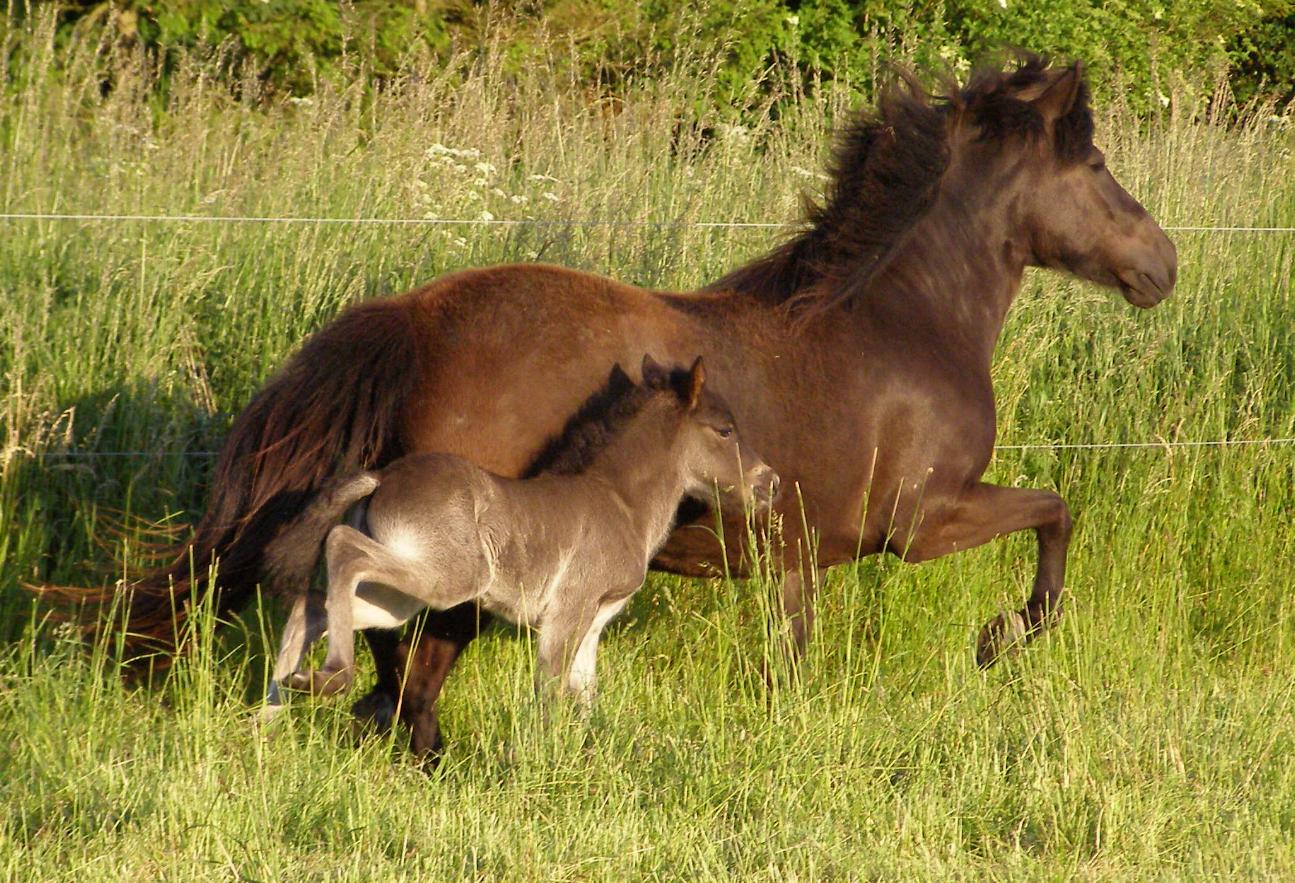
(353, 558)
(305, 625)
(987, 511)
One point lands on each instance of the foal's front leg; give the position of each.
(582, 677)
(986, 511)
(560, 638)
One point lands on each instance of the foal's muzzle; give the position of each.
(765, 488)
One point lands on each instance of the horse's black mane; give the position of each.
(595, 423)
(885, 174)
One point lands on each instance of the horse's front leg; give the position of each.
(980, 514)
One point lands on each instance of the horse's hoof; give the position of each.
(1003, 634)
(321, 682)
(374, 713)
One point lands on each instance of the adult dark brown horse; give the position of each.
(856, 358)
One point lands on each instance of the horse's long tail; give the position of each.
(291, 556)
(333, 408)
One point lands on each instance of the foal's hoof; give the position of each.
(1003, 634)
(321, 682)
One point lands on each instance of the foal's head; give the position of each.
(710, 452)
(1025, 137)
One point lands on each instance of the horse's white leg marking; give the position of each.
(583, 678)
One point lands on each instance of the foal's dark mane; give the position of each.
(594, 424)
(885, 175)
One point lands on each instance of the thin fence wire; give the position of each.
(1033, 446)
(494, 222)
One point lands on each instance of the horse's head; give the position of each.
(1029, 135)
(711, 453)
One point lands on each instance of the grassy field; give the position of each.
(1150, 736)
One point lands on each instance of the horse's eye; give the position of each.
(724, 431)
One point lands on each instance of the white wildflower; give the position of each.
(498, 192)
(551, 196)
(487, 216)
(484, 168)
(480, 182)
(518, 199)
(544, 178)
(473, 196)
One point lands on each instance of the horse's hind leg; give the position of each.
(376, 709)
(987, 511)
(424, 661)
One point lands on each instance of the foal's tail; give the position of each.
(291, 556)
(334, 408)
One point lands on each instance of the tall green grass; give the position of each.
(1148, 736)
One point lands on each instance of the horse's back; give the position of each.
(508, 353)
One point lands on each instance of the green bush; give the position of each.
(1144, 48)
(1264, 58)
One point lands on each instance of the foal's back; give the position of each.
(507, 543)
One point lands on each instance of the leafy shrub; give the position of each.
(1140, 47)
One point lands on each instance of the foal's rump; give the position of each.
(290, 558)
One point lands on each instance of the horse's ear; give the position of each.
(1059, 98)
(696, 380)
(654, 375)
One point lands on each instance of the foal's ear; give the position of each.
(654, 376)
(696, 380)
(1059, 98)
(618, 380)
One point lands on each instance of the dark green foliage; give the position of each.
(1264, 55)
(286, 41)
(1145, 49)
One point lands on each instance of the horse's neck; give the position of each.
(952, 280)
(644, 475)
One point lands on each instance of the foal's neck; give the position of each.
(641, 467)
